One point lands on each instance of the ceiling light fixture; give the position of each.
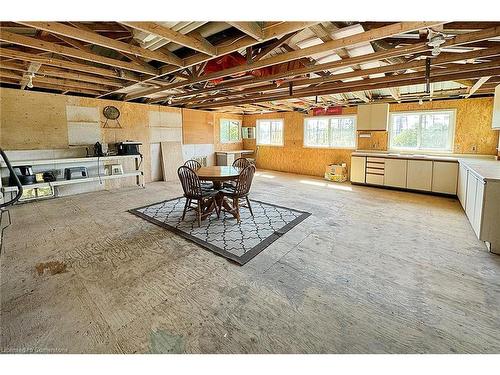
(30, 81)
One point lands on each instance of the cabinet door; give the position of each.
(478, 210)
(470, 200)
(358, 164)
(462, 185)
(395, 172)
(444, 177)
(419, 175)
(363, 120)
(229, 159)
(379, 116)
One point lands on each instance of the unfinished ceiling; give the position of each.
(253, 67)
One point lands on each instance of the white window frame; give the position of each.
(330, 140)
(258, 141)
(418, 148)
(239, 130)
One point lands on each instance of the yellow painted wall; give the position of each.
(472, 128)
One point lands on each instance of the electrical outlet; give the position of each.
(474, 148)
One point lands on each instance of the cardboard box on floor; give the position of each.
(336, 172)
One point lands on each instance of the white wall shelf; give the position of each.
(18, 163)
(60, 163)
(76, 181)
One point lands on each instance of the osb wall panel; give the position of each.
(377, 141)
(218, 146)
(134, 119)
(32, 120)
(472, 124)
(472, 128)
(197, 126)
(293, 157)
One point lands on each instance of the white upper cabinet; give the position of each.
(495, 123)
(373, 117)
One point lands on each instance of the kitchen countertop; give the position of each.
(438, 157)
(235, 152)
(487, 169)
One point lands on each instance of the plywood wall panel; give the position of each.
(31, 120)
(473, 128)
(293, 157)
(197, 126)
(225, 146)
(473, 122)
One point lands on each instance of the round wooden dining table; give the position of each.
(218, 175)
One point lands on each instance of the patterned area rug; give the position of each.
(239, 242)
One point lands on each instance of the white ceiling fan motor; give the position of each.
(435, 40)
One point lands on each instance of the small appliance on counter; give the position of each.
(25, 175)
(75, 173)
(129, 148)
(49, 176)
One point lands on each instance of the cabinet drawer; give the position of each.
(375, 179)
(375, 160)
(375, 165)
(375, 171)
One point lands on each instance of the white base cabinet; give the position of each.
(395, 172)
(444, 177)
(358, 166)
(419, 176)
(404, 173)
(462, 184)
(481, 202)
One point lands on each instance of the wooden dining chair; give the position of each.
(195, 165)
(193, 191)
(241, 190)
(241, 163)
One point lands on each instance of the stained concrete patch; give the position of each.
(162, 342)
(53, 267)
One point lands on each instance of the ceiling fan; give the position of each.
(435, 39)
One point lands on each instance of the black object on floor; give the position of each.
(239, 242)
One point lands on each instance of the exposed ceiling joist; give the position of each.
(58, 62)
(199, 44)
(369, 84)
(417, 65)
(252, 29)
(72, 52)
(349, 41)
(94, 38)
(477, 85)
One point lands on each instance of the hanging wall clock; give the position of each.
(111, 113)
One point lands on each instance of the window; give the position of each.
(270, 132)
(332, 132)
(424, 131)
(230, 131)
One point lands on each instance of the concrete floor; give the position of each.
(371, 271)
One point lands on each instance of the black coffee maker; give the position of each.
(25, 175)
